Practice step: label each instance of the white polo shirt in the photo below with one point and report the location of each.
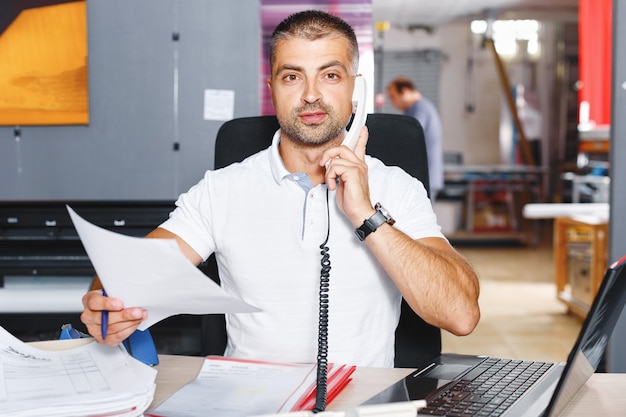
(266, 226)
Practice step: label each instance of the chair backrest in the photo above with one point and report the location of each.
(396, 140)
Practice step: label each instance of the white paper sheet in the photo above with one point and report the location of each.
(88, 380)
(229, 387)
(152, 274)
(219, 104)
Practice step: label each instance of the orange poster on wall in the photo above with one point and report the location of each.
(43, 64)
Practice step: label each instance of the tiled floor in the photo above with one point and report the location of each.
(520, 314)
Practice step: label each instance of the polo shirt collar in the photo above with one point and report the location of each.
(279, 171)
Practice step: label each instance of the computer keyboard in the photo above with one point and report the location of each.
(489, 389)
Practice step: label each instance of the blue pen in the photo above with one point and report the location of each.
(105, 319)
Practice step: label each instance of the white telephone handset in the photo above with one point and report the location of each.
(360, 92)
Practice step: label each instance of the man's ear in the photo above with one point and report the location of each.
(268, 82)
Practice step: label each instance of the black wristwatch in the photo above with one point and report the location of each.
(370, 225)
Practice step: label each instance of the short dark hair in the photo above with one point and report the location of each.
(313, 25)
(402, 83)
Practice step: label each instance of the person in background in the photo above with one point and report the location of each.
(266, 217)
(406, 97)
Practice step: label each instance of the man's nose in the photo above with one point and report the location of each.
(312, 92)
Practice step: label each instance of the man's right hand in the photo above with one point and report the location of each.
(122, 321)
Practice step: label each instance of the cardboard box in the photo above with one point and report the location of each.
(492, 218)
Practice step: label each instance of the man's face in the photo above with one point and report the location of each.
(311, 86)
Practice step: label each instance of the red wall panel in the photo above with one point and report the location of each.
(595, 58)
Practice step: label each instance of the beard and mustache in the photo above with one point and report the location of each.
(316, 133)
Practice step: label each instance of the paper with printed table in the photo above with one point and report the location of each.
(89, 380)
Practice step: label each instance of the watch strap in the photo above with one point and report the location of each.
(370, 225)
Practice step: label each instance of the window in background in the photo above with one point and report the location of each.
(510, 36)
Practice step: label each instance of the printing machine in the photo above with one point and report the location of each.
(44, 269)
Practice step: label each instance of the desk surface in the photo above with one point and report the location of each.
(603, 395)
(600, 211)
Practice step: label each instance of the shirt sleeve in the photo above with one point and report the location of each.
(412, 208)
(191, 219)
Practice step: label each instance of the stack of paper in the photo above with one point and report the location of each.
(89, 380)
(229, 387)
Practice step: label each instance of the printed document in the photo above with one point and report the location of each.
(152, 274)
(229, 387)
(89, 380)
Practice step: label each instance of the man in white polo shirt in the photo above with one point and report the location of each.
(266, 217)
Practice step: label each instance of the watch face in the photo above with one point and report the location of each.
(385, 213)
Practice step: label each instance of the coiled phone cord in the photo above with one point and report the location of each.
(322, 338)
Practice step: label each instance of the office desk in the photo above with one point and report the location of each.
(603, 395)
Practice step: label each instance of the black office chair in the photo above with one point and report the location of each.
(396, 140)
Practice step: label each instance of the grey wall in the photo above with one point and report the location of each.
(127, 150)
(616, 361)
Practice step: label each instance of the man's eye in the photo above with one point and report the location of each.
(290, 77)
